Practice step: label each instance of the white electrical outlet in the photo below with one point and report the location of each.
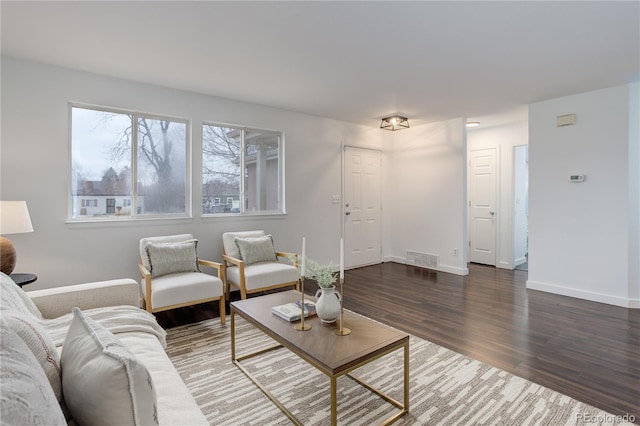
(455, 252)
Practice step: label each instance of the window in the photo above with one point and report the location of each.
(130, 164)
(244, 166)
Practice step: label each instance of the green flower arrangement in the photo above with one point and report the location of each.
(323, 275)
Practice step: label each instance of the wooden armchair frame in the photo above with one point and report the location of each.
(146, 275)
(242, 284)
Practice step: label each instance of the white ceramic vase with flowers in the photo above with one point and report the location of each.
(329, 301)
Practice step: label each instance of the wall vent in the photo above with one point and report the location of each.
(422, 260)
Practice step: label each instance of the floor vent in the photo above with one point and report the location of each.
(422, 260)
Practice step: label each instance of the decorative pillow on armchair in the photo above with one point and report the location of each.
(257, 249)
(102, 381)
(170, 258)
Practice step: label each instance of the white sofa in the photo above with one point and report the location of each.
(31, 325)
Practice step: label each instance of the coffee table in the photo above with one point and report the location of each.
(333, 355)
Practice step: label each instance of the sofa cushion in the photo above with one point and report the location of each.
(171, 258)
(34, 335)
(256, 249)
(229, 243)
(26, 397)
(12, 298)
(102, 381)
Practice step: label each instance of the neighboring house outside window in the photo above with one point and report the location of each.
(102, 143)
(244, 167)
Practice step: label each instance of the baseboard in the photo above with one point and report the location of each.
(585, 295)
(504, 265)
(519, 261)
(454, 270)
(442, 268)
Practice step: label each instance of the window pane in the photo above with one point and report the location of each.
(220, 169)
(262, 171)
(162, 153)
(100, 157)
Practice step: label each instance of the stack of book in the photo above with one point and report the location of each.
(291, 311)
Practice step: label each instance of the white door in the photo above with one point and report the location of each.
(362, 233)
(482, 206)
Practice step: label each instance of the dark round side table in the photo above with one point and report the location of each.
(23, 279)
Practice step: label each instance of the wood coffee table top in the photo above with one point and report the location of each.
(332, 354)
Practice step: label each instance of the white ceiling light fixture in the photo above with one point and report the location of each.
(473, 124)
(394, 122)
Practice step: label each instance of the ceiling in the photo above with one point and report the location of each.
(352, 61)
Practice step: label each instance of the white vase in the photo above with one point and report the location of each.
(329, 304)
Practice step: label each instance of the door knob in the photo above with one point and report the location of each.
(492, 213)
(348, 213)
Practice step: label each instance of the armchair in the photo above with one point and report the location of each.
(251, 264)
(171, 276)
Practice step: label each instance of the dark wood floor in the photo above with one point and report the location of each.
(589, 351)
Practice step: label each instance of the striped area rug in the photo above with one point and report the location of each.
(446, 388)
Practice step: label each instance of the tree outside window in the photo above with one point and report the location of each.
(242, 166)
(153, 182)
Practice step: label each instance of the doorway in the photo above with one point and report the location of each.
(483, 205)
(521, 207)
(362, 206)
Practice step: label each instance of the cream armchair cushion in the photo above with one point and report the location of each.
(183, 287)
(265, 274)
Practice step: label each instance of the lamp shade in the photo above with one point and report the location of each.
(394, 122)
(14, 218)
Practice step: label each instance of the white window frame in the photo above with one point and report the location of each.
(281, 171)
(134, 216)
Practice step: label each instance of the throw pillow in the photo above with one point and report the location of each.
(41, 346)
(257, 249)
(26, 397)
(13, 298)
(170, 258)
(102, 381)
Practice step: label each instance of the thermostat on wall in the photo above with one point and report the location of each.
(576, 178)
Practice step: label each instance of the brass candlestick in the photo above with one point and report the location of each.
(342, 331)
(302, 326)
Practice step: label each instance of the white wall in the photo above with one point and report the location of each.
(35, 168)
(424, 194)
(580, 233)
(503, 130)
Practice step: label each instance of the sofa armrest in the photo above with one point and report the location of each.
(54, 302)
